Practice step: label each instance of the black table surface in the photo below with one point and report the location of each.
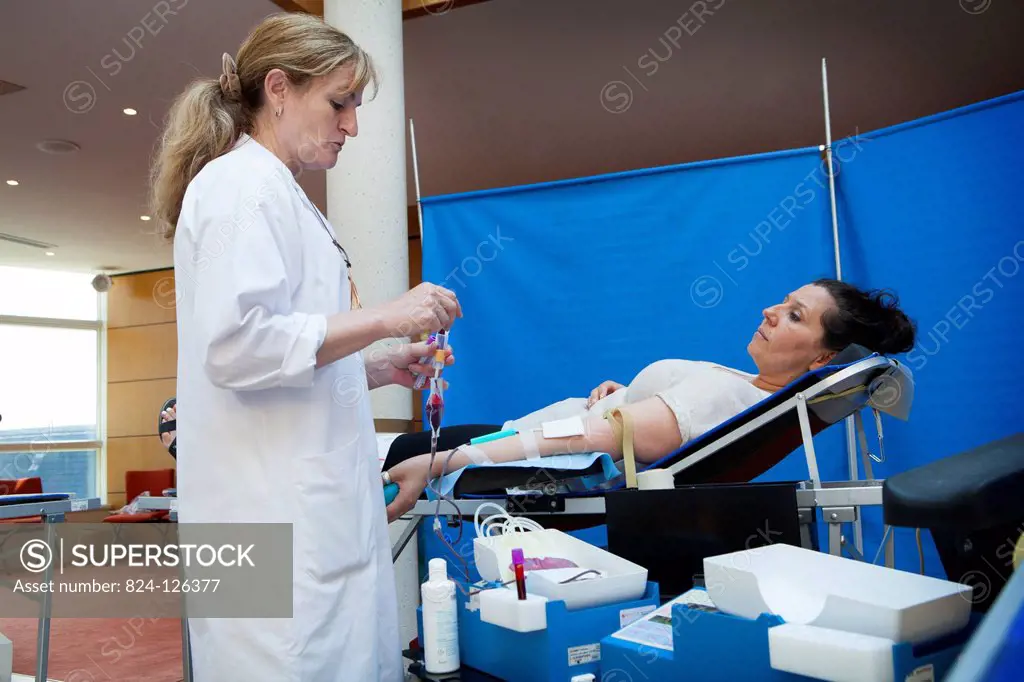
(416, 672)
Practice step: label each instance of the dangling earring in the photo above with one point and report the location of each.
(278, 112)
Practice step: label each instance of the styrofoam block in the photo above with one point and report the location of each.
(831, 655)
(6, 659)
(502, 607)
(813, 588)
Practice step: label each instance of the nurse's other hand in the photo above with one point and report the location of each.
(168, 436)
(605, 389)
(411, 477)
(425, 308)
(405, 362)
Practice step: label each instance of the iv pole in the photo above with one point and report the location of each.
(851, 436)
(416, 177)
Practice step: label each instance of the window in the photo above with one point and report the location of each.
(50, 382)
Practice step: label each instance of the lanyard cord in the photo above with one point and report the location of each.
(354, 295)
(323, 224)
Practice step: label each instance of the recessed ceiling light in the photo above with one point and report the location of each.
(143, 217)
(50, 253)
(58, 146)
(12, 183)
(130, 112)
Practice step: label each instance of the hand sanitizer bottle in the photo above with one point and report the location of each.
(440, 621)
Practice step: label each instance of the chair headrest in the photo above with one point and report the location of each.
(888, 385)
(893, 392)
(851, 353)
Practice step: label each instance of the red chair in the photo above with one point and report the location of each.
(138, 482)
(21, 486)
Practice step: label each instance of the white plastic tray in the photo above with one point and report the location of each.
(623, 580)
(813, 588)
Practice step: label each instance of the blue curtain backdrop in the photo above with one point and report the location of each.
(566, 284)
(930, 209)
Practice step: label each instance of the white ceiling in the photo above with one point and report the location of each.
(505, 92)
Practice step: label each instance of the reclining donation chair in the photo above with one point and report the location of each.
(736, 451)
(749, 444)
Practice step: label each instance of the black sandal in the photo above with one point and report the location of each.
(168, 426)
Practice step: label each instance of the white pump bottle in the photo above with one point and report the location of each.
(440, 621)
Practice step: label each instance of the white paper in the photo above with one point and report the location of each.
(627, 616)
(587, 653)
(384, 441)
(655, 629)
(79, 505)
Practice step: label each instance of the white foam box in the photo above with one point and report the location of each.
(621, 580)
(503, 607)
(807, 587)
(831, 655)
(6, 659)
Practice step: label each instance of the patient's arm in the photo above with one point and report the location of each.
(655, 434)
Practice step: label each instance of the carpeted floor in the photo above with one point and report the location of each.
(101, 649)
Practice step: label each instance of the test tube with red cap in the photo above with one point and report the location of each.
(518, 564)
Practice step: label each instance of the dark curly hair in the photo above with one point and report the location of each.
(871, 319)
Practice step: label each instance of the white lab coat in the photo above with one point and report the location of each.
(263, 436)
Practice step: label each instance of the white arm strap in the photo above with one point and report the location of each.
(622, 425)
(529, 441)
(475, 454)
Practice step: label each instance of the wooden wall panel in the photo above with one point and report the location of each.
(143, 453)
(133, 406)
(143, 298)
(142, 353)
(142, 365)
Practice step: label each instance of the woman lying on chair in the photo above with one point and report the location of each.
(674, 401)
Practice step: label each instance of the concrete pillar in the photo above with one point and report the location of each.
(366, 190)
(366, 202)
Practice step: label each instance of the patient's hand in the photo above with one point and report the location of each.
(411, 477)
(605, 389)
(168, 415)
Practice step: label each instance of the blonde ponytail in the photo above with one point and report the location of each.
(201, 126)
(206, 120)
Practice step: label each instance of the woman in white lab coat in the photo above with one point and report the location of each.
(274, 417)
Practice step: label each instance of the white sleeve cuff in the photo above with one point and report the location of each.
(300, 363)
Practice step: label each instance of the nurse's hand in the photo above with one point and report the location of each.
(425, 308)
(401, 364)
(411, 476)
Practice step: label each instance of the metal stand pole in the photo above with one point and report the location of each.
(46, 608)
(808, 438)
(403, 539)
(851, 441)
(186, 651)
(416, 176)
(831, 176)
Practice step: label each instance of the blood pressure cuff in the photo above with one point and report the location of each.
(559, 473)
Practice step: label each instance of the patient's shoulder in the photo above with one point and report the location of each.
(673, 370)
(663, 374)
